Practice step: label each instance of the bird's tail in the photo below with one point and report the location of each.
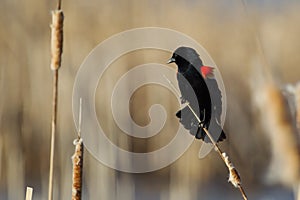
(190, 122)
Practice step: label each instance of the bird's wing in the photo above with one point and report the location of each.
(184, 86)
(216, 97)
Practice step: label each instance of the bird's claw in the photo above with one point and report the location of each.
(201, 124)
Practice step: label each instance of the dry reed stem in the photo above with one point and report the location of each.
(29, 192)
(53, 130)
(56, 51)
(234, 177)
(266, 65)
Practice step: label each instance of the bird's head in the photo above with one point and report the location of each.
(183, 56)
(186, 56)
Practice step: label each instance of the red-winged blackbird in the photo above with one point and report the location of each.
(199, 88)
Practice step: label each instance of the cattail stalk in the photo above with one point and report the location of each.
(234, 177)
(53, 130)
(56, 52)
(266, 64)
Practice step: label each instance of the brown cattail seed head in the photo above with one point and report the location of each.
(234, 177)
(56, 38)
(77, 159)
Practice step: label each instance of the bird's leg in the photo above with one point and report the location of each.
(202, 120)
(200, 134)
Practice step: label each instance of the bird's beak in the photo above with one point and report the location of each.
(171, 60)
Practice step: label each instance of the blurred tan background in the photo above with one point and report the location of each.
(255, 106)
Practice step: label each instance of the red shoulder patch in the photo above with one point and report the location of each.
(207, 71)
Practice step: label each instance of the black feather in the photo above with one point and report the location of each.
(203, 95)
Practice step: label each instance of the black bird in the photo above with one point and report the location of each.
(199, 88)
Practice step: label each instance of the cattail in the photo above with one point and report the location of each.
(56, 38)
(293, 96)
(278, 125)
(56, 52)
(77, 160)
